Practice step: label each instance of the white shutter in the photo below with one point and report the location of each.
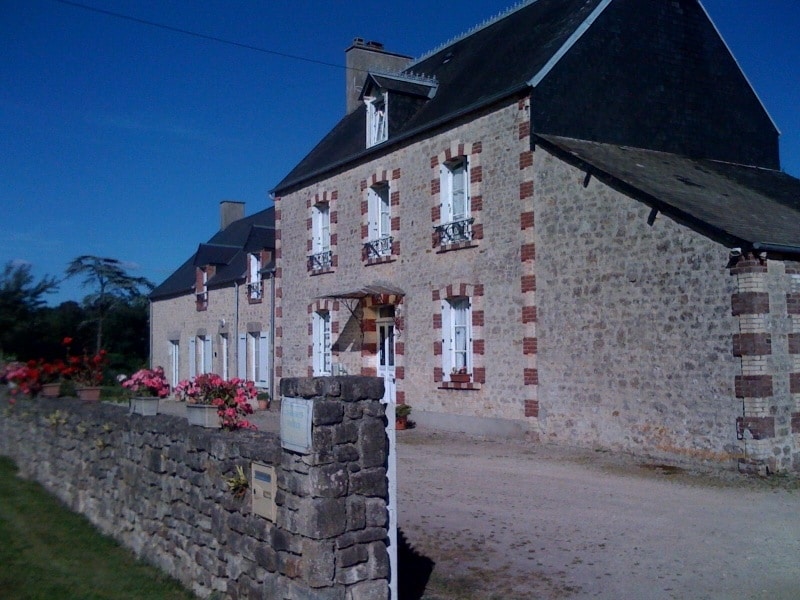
(458, 175)
(241, 362)
(192, 357)
(444, 194)
(263, 345)
(447, 340)
(384, 208)
(374, 214)
(208, 355)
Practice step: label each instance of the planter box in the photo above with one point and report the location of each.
(460, 377)
(89, 393)
(203, 415)
(50, 390)
(146, 406)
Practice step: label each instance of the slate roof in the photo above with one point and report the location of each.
(227, 250)
(646, 94)
(474, 71)
(740, 206)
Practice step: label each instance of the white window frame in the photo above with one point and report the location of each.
(192, 357)
(321, 227)
(379, 212)
(321, 353)
(452, 173)
(241, 356)
(223, 340)
(175, 362)
(205, 355)
(377, 118)
(456, 335)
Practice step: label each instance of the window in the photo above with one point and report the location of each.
(377, 119)
(204, 355)
(174, 362)
(254, 286)
(456, 225)
(321, 343)
(380, 222)
(457, 332)
(320, 258)
(223, 340)
(257, 355)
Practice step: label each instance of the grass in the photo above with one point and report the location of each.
(48, 552)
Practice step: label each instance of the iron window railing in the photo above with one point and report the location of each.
(320, 261)
(455, 231)
(378, 248)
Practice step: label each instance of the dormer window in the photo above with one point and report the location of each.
(377, 118)
(254, 287)
(201, 288)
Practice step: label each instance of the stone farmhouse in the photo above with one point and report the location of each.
(569, 223)
(214, 313)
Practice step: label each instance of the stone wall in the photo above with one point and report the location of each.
(635, 324)
(158, 486)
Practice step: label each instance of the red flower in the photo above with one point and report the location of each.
(67, 341)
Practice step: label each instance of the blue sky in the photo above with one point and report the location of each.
(118, 139)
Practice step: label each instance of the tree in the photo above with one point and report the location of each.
(21, 298)
(112, 285)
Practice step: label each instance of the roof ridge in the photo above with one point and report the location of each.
(409, 76)
(484, 24)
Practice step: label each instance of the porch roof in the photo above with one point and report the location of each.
(376, 289)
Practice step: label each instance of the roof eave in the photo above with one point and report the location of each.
(391, 143)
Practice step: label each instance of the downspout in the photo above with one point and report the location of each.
(151, 333)
(272, 335)
(235, 340)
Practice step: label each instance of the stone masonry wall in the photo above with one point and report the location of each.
(634, 324)
(490, 268)
(178, 319)
(158, 486)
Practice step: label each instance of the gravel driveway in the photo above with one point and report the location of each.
(510, 520)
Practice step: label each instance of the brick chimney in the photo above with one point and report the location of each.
(367, 56)
(230, 211)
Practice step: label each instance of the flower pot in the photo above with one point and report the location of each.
(203, 415)
(145, 405)
(50, 390)
(263, 404)
(401, 422)
(89, 393)
(460, 377)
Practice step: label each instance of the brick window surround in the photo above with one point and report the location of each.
(475, 293)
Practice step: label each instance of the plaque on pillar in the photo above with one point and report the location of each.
(296, 424)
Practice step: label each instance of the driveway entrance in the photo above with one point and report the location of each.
(515, 521)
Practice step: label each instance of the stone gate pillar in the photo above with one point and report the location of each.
(332, 501)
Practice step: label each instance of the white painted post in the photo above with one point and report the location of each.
(391, 475)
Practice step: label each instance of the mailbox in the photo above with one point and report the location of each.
(264, 486)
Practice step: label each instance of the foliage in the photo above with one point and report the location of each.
(47, 551)
(87, 370)
(238, 484)
(232, 397)
(21, 298)
(111, 283)
(147, 382)
(23, 378)
(402, 410)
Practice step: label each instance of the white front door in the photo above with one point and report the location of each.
(385, 356)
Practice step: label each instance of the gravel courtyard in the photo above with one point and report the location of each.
(506, 520)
